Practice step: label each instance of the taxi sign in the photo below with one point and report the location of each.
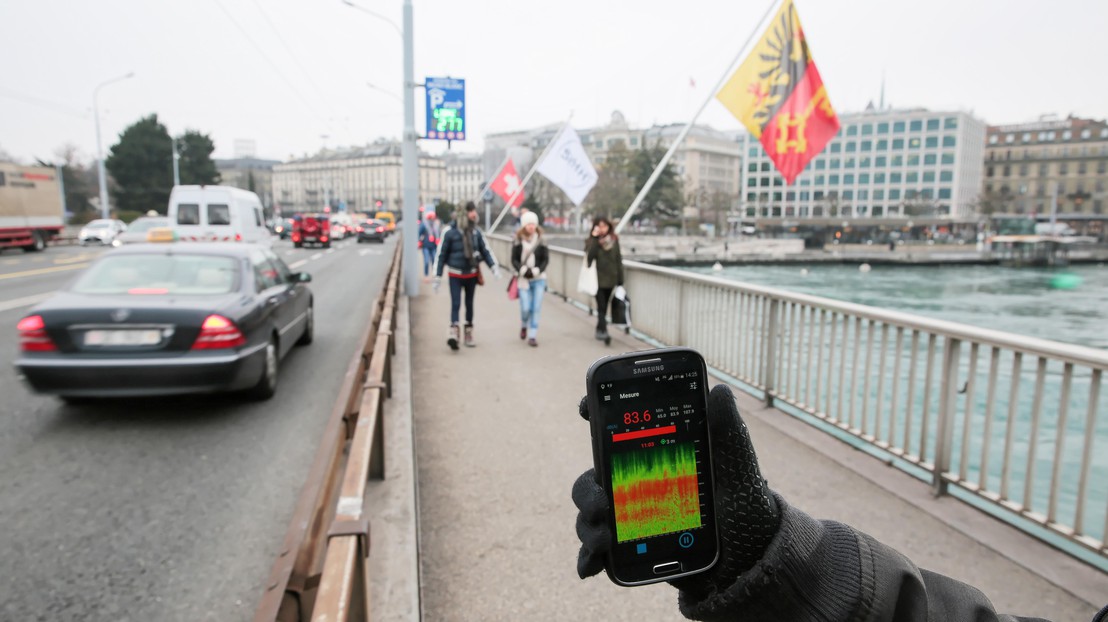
(161, 235)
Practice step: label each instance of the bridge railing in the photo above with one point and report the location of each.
(1012, 423)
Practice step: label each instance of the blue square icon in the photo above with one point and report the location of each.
(640, 548)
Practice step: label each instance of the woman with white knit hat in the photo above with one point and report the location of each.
(530, 258)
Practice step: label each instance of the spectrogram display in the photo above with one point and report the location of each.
(655, 491)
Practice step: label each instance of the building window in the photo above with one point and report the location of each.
(867, 145)
(867, 129)
(992, 139)
(817, 195)
(1066, 135)
(833, 180)
(851, 147)
(834, 163)
(821, 164)
(916, 126)
(1063, 168)
(930, 158)
(913, 143)
(863, 194)
(863, 162)
(895, 178)
(764, 182)
(883, 145)
(852, 130)
(883, 128)
(1007, 170)
(879, 194)
(928, 177)
(1043, 170)
(777, 196)
(898, 143)
(1023, 170)
(894, 194)
(932, 124)
(931, 142)
(912, 177)
(751, 182)
(752, 168)
(898, 127)
(848, 195)
(950, 123)
(765, 167)
(1086, 133)
(913, 159)
(898, 160)
(836, 147)
(949, 141)
(848, 179)
(863, 178)
(1010, 138)
(878, 178)
(946, 175)
(1101, 167)
(820, 179)
(1080, 168)
(849, 163)
(1027, 137)
(881, 161)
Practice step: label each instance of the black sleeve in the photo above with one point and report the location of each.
(619, 262)
(517, 256)
(824, 570)
(542, 257)
(592, 248)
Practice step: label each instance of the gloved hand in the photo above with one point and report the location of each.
(527, 273)
(435, 285)
(747, 514)
(496, 272)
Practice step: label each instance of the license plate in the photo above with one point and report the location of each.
(122, 337)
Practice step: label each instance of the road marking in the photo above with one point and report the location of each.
(330, 250)
(16, 275)
(297, 264)
(316, 256)
(74, 259)
(26, 301)
(289, 252)
(10, 262)
(368, 251)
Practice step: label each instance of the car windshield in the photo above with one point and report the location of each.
(142, 225)
(99, 224)
(186, 275)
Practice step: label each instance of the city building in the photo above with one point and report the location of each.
(249, 173)
(882, 164)
(465, 177)
(359, 179)
(1028, 163)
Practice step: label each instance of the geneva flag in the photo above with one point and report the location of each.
(778, 95)
(507, 184)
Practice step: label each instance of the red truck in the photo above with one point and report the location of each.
(30, 206)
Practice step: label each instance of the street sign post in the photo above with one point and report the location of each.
(446, 114)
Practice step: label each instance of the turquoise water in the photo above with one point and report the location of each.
(1069, 305)
(1031, 302)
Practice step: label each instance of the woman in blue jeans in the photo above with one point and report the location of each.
(530, 258)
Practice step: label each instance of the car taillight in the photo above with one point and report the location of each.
(360, 229)
(218, 332)
(32, 335)
(296, 237)
(238, 237)
(322, 238)
(380, 229)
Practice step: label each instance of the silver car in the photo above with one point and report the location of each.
(101, 231)
(139, 227)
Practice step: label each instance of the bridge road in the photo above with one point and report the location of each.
(163, 509)
(499, 444)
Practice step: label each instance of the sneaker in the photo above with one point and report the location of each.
(532, 342)
(602, 334)
(469, 337)
(452, 341)
(523, 333)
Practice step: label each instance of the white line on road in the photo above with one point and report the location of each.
(289, 252)
(296, 264)
(330, 250)
(26, 301)
(369, 251)
(316, 256)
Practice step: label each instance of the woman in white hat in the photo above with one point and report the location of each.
(530, 258)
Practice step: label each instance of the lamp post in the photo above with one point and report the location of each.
(104, 211)
(408, 153)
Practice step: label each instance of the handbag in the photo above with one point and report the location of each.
(480, 276)
(621, 307)
(587, 282)
(513, 288)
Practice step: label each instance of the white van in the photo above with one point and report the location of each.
(217, 214)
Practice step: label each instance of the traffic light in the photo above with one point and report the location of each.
(379, 203)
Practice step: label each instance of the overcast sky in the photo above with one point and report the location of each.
(286, 73)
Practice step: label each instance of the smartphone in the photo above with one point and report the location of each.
(648, 413)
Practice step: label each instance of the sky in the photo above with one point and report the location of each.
(294, 75)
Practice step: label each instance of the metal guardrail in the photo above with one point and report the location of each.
(1013, 421)
(321, 571)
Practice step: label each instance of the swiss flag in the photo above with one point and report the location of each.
(507, 183)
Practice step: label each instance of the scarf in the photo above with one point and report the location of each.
(607, 242)
(465, 227)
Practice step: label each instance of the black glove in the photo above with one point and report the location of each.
(746, 512)
(527, 273)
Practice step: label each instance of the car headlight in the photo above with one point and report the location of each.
(117, 243)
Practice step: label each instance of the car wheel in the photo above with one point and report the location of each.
(296, 244)
(309, 328)
(267, 384)
(38, 243)
(327, 245)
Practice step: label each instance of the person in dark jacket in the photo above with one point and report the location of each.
(428, 241)
(602, 248)
(530, 257)
(776, 563)
(460, 253)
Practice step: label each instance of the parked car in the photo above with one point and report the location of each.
(156, 319)
(139, 229)
(311, 229)
(217, 214)
(101, 231)
(372, 230)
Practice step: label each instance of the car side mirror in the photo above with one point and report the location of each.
(303, 277)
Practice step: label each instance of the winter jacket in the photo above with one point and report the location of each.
(609, 263)
(825, 570)
(452, 255)
(428, 235)
(538, 260)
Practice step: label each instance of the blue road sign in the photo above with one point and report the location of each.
(446, 113)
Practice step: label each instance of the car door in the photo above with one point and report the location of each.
(275, 296)
(298, 297)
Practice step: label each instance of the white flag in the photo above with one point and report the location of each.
(567, 166)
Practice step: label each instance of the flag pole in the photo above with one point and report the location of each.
(685, 130)
(531, 172)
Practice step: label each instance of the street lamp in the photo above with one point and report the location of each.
(104, 211)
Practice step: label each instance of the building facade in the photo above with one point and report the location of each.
(881, 164)
(1027, 164)
(465, 177)
(362, 179)
(249, 173)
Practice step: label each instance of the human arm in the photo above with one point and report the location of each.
(619, 262)
(517, 256)
(443, 252)
(592, 249)
(777, 563)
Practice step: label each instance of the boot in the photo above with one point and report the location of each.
(469, 336)
(452, 341)
(602, 333)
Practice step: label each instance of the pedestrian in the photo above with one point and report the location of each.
(602, 247)
(461, 250)
(428, 242)
(530, 257)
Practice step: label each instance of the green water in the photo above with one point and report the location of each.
(1069, 305)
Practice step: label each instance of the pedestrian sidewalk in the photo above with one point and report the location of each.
(499, 443)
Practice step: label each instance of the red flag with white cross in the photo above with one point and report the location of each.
(507, 184)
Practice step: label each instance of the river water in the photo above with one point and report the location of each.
(1069, 305)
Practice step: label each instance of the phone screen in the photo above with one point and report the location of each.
(655, 448)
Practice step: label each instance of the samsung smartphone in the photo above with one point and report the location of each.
(648, 412)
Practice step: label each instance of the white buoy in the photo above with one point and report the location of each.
(803, 272)
(864, 268)
(717, 266)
